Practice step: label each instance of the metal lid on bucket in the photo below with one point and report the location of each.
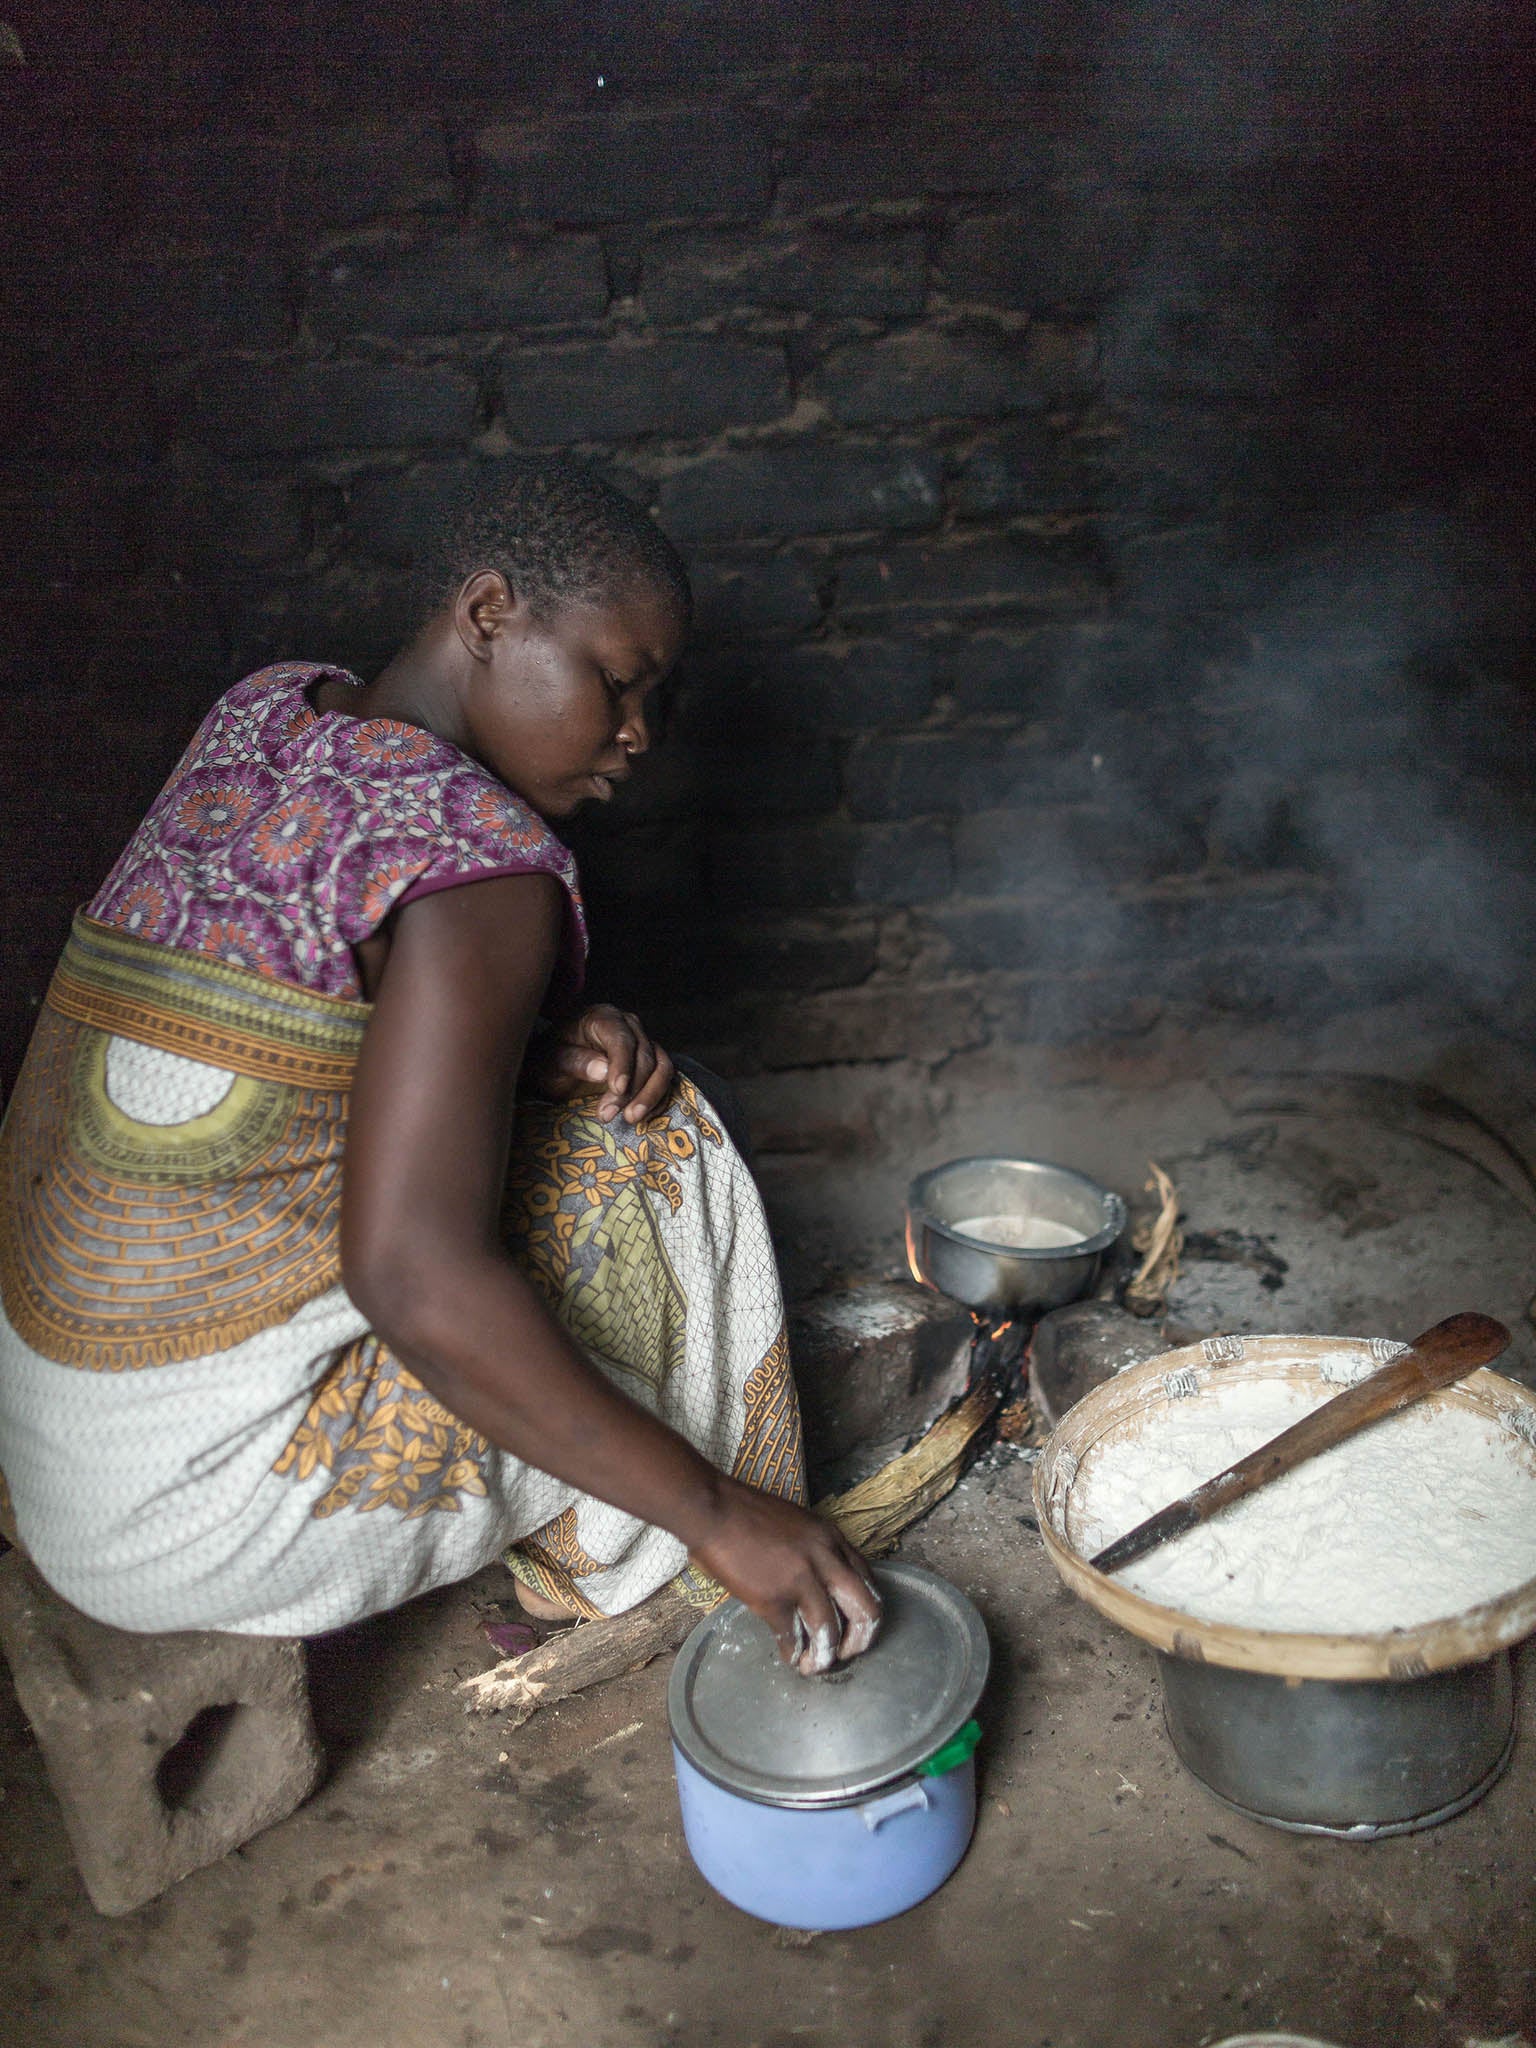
(755, 1726)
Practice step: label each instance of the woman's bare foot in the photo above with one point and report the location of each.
(536, 1605)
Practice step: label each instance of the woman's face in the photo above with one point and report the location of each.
(557, 706)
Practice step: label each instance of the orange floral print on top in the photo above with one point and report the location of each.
(286, 836)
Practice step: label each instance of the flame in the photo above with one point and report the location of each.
(987, 1329)
(912, 1266)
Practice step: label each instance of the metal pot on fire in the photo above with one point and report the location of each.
(1010, 1236)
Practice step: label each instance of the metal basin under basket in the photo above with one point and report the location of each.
(1006, 1280)
(1357, 1758)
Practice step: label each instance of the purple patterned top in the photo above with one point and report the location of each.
(286, 835)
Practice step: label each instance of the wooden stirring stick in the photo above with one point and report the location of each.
(1440, 1357)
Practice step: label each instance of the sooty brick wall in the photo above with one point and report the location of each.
(1095, 436)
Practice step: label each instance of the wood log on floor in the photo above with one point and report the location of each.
(582, 1656)
(872, 1515)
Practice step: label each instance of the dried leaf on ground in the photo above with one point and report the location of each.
(1160, 1242)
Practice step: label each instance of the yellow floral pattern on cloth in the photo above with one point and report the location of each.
(577, 1218)
(553, 1557)
(590, 1212)
(771, 1452)
(387, 1441)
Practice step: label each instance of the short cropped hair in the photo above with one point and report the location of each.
(559, 534)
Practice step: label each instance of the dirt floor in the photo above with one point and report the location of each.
(454, 1885)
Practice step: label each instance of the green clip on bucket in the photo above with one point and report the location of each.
(959, 1749)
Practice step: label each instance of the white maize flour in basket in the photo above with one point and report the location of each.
(1418, 1518)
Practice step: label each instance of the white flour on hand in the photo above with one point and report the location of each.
(1418, 1518)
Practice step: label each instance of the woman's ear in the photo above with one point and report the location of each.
(483, 609)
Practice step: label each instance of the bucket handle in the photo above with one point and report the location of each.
(874, 1811)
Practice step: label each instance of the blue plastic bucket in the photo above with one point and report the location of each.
(832, 1866)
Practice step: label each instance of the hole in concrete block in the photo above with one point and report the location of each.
(189, 1766)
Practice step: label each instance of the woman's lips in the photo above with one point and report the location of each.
(604, 785)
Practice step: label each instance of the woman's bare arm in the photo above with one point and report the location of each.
(430, 1126)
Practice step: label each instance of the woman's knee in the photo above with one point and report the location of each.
(722, 1099)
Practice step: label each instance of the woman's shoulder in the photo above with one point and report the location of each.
(388, 776)
(259, 719)
(271, 707)
(405, 779)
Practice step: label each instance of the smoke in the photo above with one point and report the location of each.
(1324, 477)
(1368, 738)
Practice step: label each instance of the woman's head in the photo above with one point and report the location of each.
(559, 535)
(571, 605)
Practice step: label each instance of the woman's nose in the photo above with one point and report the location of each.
(634, 734)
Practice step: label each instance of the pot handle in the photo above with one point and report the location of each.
(874, 1811)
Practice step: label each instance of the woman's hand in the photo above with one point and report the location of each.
(795, 1572)
(604, 1052)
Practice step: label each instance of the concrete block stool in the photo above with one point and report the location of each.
(164, 1752)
